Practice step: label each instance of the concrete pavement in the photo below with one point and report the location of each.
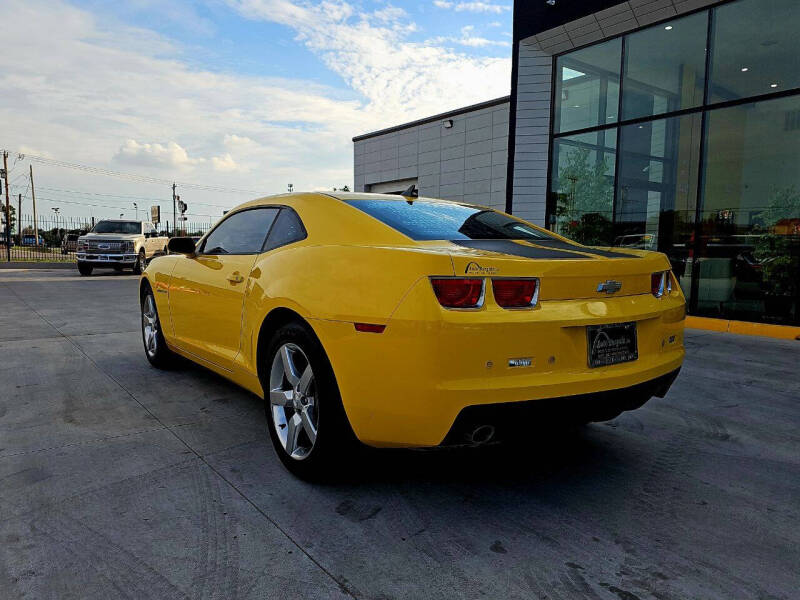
(118, 480)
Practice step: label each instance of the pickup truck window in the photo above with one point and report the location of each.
(118, 227)
(241, 233)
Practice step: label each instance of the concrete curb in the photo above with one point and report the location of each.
(37, 265)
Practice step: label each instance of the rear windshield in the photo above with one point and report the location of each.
(431, 220)
(118, 227)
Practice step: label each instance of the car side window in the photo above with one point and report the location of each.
(288, 228)
(241, 233)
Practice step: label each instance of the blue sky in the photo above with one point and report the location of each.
(249, 94)
(215, 36)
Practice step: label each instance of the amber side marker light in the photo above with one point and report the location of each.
(369, 327)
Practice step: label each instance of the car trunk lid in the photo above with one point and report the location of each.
(566, 271)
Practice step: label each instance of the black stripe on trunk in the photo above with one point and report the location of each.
(555, 250)
(514, 249)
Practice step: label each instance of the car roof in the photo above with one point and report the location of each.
(351, 196)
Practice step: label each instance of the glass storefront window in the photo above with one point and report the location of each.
(665, 67)
(723, 203)
(587, 87)
(755, 49)
(583, 186)
(748, 264)
(657, 187)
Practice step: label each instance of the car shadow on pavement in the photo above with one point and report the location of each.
(542, 457)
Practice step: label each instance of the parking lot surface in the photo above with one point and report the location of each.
(118, 480)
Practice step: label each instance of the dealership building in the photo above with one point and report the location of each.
(671, 125)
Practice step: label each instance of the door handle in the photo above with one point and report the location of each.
(235, 277)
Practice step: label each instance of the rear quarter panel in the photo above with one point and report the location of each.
(333, 283)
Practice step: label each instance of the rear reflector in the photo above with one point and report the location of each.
(515, 293)
(458, 292)
(370, 327)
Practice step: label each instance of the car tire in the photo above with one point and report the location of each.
(140, 264)
(84, 269)
(305, 417)
(155, 346)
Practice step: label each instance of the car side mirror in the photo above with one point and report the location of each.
(181, 245)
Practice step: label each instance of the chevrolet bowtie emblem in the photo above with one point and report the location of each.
(609, 287)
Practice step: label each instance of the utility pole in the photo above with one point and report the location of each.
(19, 218)
(35, 222)
(174, 212)
(8, 208)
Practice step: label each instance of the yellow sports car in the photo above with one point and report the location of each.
(400, 321)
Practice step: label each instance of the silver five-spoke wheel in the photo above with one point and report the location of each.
(150, 325)
(292, 397)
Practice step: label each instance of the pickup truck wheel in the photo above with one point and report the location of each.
(140, 264)
(84, 269)
(155, 347)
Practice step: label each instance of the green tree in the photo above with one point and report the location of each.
(784, 204)
(584, 205)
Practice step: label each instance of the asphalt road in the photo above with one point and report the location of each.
(117, 480)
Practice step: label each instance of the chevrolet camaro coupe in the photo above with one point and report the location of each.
(411, 322)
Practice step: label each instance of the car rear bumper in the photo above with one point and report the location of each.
(513, 420)
(407, 385)
(98, 260)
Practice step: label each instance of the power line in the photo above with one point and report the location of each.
(18, 177)
(123, 203)
(62, 201)
(133, 176)
(149, 198)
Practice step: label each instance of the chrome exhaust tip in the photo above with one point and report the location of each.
(482, 434)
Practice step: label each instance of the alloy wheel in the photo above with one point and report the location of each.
(293, 401)
(150, 325)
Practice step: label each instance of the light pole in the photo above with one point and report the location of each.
(55, 209)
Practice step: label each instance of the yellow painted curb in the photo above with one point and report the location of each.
(781, 332)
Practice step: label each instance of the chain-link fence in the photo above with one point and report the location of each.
(57, 238)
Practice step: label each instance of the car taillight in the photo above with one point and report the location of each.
(515, 293)
(455, 292)
(661, 283)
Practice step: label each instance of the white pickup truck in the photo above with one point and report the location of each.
(118, 244)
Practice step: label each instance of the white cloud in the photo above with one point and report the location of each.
(155, 155)
(104, 94)
(474, 7)
(225, 163)
(469, 39)
(400, 79)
